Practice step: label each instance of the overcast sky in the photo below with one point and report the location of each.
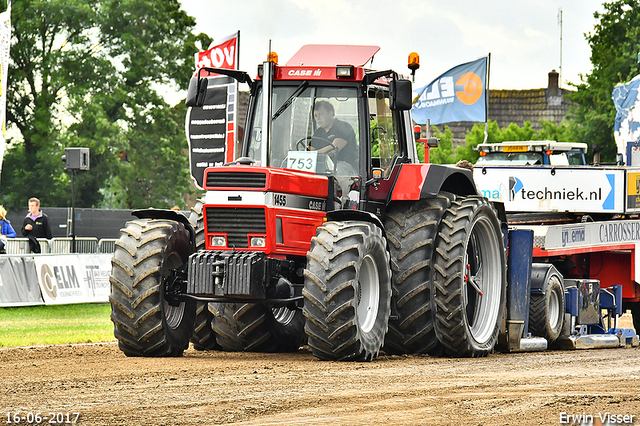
(523, 37)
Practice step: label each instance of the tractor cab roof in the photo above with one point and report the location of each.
(328, 62)
(330, 55)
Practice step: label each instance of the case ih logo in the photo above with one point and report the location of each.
(305, 73)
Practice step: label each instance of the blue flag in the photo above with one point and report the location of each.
(457, 95)
(625, 98)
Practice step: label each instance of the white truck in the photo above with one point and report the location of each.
(584, 218)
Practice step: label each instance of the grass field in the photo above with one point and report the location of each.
(56, 324)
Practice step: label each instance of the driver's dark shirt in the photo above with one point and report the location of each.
(340, 130)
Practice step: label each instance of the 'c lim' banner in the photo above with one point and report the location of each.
(211, 129)
(456, 95)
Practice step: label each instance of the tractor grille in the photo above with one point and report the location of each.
(236, 180)
(236, 222)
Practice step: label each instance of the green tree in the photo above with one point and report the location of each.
(90, 73)
(444, 152)
(615, 44)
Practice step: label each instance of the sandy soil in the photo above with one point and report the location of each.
(107, 388)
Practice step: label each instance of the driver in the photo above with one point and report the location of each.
(333, 136)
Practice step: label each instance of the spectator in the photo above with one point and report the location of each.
(6, 230)
(36, 225)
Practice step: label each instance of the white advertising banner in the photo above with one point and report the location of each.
(66, 279)
(5, 44)
(553, 189)
(592, 234)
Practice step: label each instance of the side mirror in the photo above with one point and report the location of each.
(400, 95)
(433, 142)
(197, 92)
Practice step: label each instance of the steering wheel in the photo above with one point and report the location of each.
(304, 143)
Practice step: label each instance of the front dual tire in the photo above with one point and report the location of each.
(347, 291)
(146, 258)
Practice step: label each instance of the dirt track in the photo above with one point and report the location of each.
(107, 388)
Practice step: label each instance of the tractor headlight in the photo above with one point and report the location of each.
(258, 242)
(219, 241)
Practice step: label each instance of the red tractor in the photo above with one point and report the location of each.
(327, 230)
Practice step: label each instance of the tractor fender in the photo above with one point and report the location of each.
(359, 215)
(168, 215)
(420, 181)
(540, 274)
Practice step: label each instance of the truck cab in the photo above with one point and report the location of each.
(520, 153)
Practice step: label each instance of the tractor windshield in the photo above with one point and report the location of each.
(314, 129)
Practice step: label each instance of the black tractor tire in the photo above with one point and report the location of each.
(250, 327)
(347, 291)
(546, 311)
(411, 229)
(469, 254)
(196, 218)
(634, 307)
(287, 328)
(203, 338)
(635, 315)
(146, 255)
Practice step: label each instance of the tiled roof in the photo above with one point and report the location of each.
(518, 106)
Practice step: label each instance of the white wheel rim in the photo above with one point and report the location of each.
(283, 315)
(488, 278)
(554, 308)
(368, 294)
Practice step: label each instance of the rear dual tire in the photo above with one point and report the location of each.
(469, 278)
(411, 229)
(250, 327)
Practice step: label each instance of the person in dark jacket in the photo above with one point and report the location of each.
(334, 136)
(36, 225)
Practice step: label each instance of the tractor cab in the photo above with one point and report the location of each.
(326, 114)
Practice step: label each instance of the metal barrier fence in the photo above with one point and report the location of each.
(107, 245)
(87, 245)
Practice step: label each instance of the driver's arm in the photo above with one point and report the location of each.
(337, 145)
